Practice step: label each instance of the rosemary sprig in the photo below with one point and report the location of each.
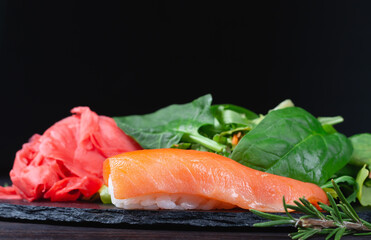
(339, 220)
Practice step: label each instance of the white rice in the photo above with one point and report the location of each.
(174, 201)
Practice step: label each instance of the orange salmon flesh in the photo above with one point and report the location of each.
(175, 171)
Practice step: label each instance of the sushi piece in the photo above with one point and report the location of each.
(190, 179)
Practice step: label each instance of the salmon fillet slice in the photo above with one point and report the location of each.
(207, 175)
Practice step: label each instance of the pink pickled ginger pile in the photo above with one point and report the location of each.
(65, 163)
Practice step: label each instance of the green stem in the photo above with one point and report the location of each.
(204, 141)
(240, 129)
(330, 120)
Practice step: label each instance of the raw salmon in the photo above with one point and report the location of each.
(168, 178)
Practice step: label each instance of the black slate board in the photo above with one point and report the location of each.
(92, 213)
(99, 214)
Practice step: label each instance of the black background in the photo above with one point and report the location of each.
(123, 58)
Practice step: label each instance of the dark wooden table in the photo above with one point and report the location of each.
(17, 230)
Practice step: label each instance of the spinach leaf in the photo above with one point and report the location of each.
(364, 193)
(232, 114)
(291, 142)
(361, 149)
(171, 124)
(362, 157)
(229, 121)
(348, 185)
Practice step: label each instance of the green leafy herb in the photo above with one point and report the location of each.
(291, 142)
(341, 219)
(232, 114)
(348, 183)
(288, 141)
(230, 124)
(361, 149)
(364, 193)
(361, 158)
(171, 125)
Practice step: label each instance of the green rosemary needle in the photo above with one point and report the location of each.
(339, 219)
